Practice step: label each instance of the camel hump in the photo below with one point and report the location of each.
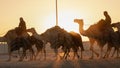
(101, 24)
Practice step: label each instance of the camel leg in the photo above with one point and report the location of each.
(56, 53)
(33, 54)
(74, 55)
(93, 52)
(44, 51)
(109, 52)
(44, 54)
(64, 55)
(113, 52)
(19, 52)
(117, 53)
(37, 54)
(9, 59)
(68, 51)
(101, 52)
(81, 54)
(23, 55)
(92, 49)
(78, 55)
(106, 52)
(74, 51)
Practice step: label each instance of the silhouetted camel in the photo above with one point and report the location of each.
(116, 25)
(40, 44)
(10, 36)
(26, 44)
(77, 43)
(48, 36)
(94, 33)
(60, 38)
(114, 42)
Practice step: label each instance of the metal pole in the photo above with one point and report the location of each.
(56, 14)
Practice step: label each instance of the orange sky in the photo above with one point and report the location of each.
(41, 13)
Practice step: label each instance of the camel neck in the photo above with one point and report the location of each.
(81, 30)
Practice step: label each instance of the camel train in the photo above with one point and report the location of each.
(102, 32)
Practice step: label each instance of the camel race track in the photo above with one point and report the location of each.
(52, 62)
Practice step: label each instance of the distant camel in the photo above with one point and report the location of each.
(40, 46)
(60, 38)
(26, 44)
(45, 38)
(114, 41)
(94, 34)
(117, 25)
(77, 43)
(10, 36)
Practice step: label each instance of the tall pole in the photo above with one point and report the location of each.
(56, 14)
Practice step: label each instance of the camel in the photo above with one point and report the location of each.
(48, 37)
(60, 38)
(26, 44)
(94, 33)
(10, 36)
(116, 25)
(40, 44)
(78, 43)
(114, 41)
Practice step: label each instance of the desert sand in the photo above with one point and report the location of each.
(52, 62)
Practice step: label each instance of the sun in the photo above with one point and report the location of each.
(65, 20)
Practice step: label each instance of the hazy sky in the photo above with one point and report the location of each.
(41, 13)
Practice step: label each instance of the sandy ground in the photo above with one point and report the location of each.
(106, 63)
(51, 62)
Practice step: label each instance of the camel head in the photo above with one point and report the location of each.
(79, 21)
(32, 30)
(116, 25)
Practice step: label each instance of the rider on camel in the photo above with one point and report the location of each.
(21, 28)
(107, 18)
